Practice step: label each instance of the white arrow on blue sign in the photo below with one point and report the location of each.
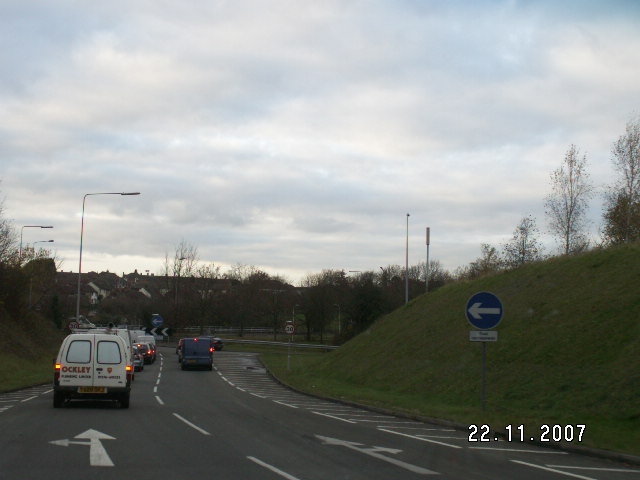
(157, 320)
(484, 310)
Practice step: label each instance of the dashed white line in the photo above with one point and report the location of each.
(273, 469)
(333, 416)
(548, 469)
(192, 425)
(159, 400)
(419, 438)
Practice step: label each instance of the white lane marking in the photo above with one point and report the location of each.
(542, 467)
(192, 425)
(159, 400)
(377, 452)
(273, 469)
(98, 456)
(419, 438)
(285, 404)
(334, 417)
(596, 469)
(27, 399)
(543, 452)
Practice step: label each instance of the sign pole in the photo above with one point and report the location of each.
(290, 329)
(484, 376)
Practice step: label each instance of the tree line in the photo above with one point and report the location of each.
(334, 305)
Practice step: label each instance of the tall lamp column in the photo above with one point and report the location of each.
(81, 235)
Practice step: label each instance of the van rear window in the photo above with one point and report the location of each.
(79, 352)
(109, 352)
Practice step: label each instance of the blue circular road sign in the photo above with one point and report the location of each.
(157, 320)
(484, 310)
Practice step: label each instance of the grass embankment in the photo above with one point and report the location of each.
(27, 352)
(568, 353)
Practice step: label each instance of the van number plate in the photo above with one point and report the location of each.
(92, 390)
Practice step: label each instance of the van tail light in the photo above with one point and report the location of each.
(129, 368)
(211, 349)
(56, 373)
(129, 374)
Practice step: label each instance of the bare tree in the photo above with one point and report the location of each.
(566, 206)
(622, 209)
(524, 246)
(8, 238)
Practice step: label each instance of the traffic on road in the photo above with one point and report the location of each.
(237, 422)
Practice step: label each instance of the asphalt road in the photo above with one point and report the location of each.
(237, 423)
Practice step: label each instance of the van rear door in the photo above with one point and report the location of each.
(112, 364)
(76, 363)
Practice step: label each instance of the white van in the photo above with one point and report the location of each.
(93, 366)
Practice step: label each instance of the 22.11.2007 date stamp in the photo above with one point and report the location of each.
(513, 433)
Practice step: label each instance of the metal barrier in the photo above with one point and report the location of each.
(281, 344)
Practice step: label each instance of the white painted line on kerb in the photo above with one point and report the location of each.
(273, 469)
(419, 438)
(159, 400)
(195, 427)
(542, 467)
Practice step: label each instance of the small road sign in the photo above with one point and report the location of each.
(289, 329)
(483, 335)
(484, 310)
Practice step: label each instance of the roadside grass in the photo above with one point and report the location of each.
(567, 353)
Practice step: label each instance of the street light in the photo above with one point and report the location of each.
(22, 230)
(406, 270)
(81, 235)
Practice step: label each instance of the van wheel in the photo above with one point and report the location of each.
(124, 400)
(58, 399)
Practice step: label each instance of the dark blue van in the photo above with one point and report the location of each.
(196, 353)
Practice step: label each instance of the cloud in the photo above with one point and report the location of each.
(297, 136)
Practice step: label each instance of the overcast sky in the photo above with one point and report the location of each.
(296, 135)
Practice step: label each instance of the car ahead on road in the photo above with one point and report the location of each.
(196, 353)
(217, 343)
(93, 366)
(137, 358)
(148, 352)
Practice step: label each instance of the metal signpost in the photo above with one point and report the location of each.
(289, 329)
(484, 311)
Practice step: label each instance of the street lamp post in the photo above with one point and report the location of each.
(426, 265)
(22, 230)
(406, 268)
(81, 235)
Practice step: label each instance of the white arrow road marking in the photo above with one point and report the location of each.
(375, 452)
(98, 456)
(477, 312)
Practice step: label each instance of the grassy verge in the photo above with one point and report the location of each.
(307, 373)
